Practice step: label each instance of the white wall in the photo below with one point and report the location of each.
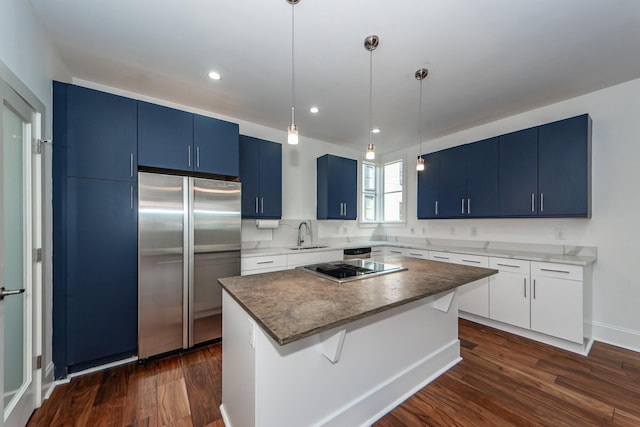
(29, 62)
(616, 204)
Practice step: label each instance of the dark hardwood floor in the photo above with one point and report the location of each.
(503, 380)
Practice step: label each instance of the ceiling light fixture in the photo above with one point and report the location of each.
(314, 110)
(292, 130)
(213, 75)
(370, 44)
(420, 75)
(375, 130)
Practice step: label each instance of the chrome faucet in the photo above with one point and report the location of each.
(300, 238)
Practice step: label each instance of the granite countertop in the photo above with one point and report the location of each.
(293, 304)
(582, 260)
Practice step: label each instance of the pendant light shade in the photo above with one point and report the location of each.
(420, 75)
(370, 44)
(292, 130)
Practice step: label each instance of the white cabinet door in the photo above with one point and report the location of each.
(556, 307)
(473, 297)
(509, 298)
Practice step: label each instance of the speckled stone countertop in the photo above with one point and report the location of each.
(293, 304)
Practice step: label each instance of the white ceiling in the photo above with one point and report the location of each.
(488, 59)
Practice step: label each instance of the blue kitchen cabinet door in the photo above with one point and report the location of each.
(165, 137)
(100, 135)
(482, 160)
(102, 257)
(261, 178)
(270, 180)
(564, 170)
(337, 187)
(519, 173)
(453, 183)
(429, 187)
(215, 146)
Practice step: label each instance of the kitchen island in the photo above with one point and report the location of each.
(302, 350)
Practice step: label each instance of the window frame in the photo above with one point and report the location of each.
(379, 192)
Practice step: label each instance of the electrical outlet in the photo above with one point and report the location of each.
(424, 230)
(559, 233)
(344, 229)
(474, 231)
(452, 231)
(413, 230)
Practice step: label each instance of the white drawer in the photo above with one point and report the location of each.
(417, 253)
(510, 264)
(262, 262)
(474, 260)
(378, 252)
(441, 256)
(560, 271)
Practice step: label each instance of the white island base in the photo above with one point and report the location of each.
(347, 376)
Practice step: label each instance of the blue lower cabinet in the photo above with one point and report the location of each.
(102, 281)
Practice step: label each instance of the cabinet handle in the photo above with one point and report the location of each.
(469, 206)
(189, 155)
(261, 204)
(541, 202)
(508, 265)
(436, 207)
(525, 287)
(534, 288)
(440, 257)
(197, 157)
(533, 202)
(551, 270)
(256, 204)
(131, 197)
(395, 252)
(265, 262)
(345, 209)
(462, 206)
(131, 165)
(471, 260)
(415, 254)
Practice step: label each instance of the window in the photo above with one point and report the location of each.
(383, 192)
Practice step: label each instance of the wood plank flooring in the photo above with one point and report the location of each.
(503, 380)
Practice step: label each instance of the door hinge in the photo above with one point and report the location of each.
(39, 362)
(37, 145)
(37, 255)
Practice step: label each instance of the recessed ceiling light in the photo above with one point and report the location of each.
(214, 75)
(314, 110)
(375, 130)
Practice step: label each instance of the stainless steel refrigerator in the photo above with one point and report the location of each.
(188, 237)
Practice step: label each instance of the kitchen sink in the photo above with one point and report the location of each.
(301, 248)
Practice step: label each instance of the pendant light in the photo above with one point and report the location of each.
(292, 130)
(370, 44)
(420, 75)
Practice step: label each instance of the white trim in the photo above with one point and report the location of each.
(225, 417)
(616, 335)
(103, 367)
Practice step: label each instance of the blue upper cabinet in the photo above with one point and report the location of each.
(177, 140)
(469, 180)
(429, 187)
(546, 170)
(337, 187)
(564, 169)
(519, 173)
(99, 134)
(261, 178)
(215, 146)
(165, 137)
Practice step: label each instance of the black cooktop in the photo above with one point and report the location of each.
(354, 269)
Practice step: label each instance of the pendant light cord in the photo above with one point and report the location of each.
(370, 93)
(419, 119)
(293, 74)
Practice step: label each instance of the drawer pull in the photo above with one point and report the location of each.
(471, 260)
(440, 257)
(525, 288)
(551, 270)
(534, 288)
(265, 262)
(395, 252)
(508, 265)
(415, 254)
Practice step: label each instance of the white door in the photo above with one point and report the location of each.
(17, 267)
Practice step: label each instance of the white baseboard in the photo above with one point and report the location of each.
(48, 382)
(225, 417)
(616, 335)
